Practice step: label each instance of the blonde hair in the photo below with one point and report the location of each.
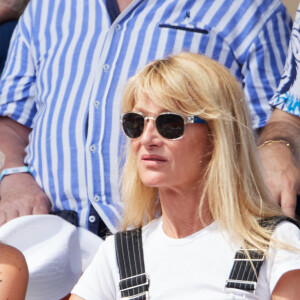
(237, 195)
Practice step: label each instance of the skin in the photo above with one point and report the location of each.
(282, 166)
(13, 274)
(123, 4)
(11, 9)
(158, 159)
(288, 287)
(2, 159)
(20, 194)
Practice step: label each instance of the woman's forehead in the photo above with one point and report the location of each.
(145, 103)
(156, 102)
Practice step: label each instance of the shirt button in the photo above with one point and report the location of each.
(96, 104)
(96, 198)
(93, 148)
(105, 67)
(92, 219)
(118, 27)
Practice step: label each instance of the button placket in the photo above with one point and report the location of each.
(92, 219)
(93, 148)
(106, 67)
(96, 198)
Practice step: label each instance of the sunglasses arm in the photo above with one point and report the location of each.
(195, 119)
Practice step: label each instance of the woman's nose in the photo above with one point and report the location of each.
(150, 136)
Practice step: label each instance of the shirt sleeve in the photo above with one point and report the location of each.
(287, 96)
(101, 278)
(264, 63)
(282, 260)
(17, 85)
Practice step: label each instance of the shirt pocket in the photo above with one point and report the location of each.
(178, 37)
(185, 28)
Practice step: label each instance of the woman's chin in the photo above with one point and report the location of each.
(153, 182)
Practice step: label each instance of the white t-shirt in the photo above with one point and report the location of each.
(194, 267)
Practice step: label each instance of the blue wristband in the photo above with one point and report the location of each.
(23, 169)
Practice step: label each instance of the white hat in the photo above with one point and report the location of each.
(56, 253)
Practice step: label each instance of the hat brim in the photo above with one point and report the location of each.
(56, 252)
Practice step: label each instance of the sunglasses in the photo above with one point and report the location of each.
(169, 125)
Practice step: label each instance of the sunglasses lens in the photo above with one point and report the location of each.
(170, 126)
(133, 125)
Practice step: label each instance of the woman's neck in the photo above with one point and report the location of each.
(180, 211)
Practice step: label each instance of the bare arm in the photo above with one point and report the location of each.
(288, 287)
(19, 193)
(282, 163)
(13, 273)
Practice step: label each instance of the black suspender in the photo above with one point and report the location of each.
(134, 283)
(242, 275)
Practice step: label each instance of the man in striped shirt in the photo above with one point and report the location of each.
(63, 82)
(282, 163)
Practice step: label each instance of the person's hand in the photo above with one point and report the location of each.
(20, 195)
(282, 175)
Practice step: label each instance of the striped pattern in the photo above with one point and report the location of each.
(73, 66)
(243, 276)
(245, 271)
(287, 96)
(134, 282)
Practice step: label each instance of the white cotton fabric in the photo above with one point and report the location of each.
(195, 267)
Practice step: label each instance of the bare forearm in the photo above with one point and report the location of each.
(13, 140)
(280, 154)
(19, 193)
(283, 126)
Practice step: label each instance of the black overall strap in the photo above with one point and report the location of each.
(134, 283)
(243, 276)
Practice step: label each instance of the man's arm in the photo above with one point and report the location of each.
(282, 162)
(19, 193)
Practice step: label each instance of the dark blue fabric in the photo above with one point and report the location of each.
(98, 226)
(68, 215)
(6, 30)
(113, 9)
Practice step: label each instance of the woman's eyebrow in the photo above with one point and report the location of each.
(145, 111)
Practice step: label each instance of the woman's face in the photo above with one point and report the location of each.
(174, 164)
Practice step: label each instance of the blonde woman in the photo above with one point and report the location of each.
(192, 181)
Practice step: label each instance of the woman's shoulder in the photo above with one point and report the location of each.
(287, 231)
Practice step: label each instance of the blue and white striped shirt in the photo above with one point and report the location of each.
(287, 96)
(68, 65)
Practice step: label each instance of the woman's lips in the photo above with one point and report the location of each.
(152, 159)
